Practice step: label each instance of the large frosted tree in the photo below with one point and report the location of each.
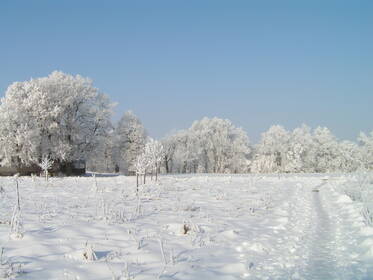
(101, 159)
(130, 139)
(298, 150)
(170, 144)
(179, 156)
(210, 145)
(350, 157)
(222, 147)
(272, 151)
(60, 116)
(324, 152)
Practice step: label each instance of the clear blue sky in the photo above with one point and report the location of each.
(256, 63)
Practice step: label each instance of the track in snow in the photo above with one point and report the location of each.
(322, 261)
(323, 250)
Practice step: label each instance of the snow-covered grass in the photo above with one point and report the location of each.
(184, 227)
(359, 187)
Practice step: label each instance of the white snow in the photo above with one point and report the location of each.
(184, 227)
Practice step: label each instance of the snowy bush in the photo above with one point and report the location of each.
(16, 228)
(359, 188)
(88, 253)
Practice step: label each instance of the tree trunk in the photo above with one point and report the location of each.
(156, 173)
(137, 183)
(18, 200)
(166, 166)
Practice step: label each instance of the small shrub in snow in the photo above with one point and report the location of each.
(88, 253)
(8, 270)
(186, 229)
(45, 165)
(16, 229)
(16, 221)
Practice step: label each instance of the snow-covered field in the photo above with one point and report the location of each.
(184, 227)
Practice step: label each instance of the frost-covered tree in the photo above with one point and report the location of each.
(366, 142)
(60, 116)
(262, 163)
(141, 165)
(304, 150)
(324, 152)
(220, 146)
(299, 145)
(169, 147)
(209, 145)
(272, 151)
(101, 159)
(154, 152)
(350, 157)
(178, 153)
(130, 138)
(45, 165)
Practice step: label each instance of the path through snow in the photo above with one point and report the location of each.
(328, 249)
(322, 246)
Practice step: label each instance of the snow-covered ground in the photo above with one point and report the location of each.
(184, 227)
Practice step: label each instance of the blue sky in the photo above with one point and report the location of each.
(256, 63)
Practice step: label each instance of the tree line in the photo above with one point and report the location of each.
(65, 118)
